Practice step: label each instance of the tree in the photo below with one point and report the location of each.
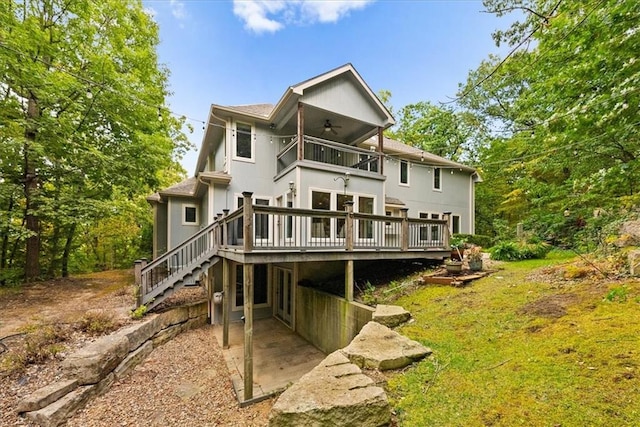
(563, 110)
(83, 119)
(439, 130)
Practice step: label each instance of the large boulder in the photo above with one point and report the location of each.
(334, 393)
(94, 362)
(378, 347)
(634, 262)
(390, 315)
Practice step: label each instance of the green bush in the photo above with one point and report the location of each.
(515, 251)
(475, 239)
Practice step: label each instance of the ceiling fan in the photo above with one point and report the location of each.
(328, 127)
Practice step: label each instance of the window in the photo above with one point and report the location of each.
(320, 226)
(262, 221)
(244, 141)
(455, 224)
(435, 229)
(404, 172)
(190, 215)
(437, 179)
(365, 227)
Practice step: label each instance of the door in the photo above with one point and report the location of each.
(284, 294)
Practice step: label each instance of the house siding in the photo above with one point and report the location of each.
(419, 196)
(342, 96)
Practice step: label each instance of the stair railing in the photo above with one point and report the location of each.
(170, 267)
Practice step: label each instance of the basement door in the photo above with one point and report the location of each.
(284, 294)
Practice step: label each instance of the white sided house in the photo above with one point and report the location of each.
(288, 196)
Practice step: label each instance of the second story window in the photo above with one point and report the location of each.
(244, 142)
(437, 179)
(404, 172)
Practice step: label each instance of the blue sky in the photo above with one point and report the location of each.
(250, 51)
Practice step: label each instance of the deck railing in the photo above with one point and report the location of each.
(328, 152)
(175, 263)
(259, 228)
(269, 228)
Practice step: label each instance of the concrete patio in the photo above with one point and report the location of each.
(280, 357)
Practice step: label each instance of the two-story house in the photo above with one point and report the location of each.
(287, 196)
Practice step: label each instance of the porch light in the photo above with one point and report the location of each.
(292, 188)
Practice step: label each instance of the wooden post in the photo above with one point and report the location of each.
(248, 331)
(447, 233)
(348, 225)
(247, 215)
(404, 245)
(300, 131)
(226, 300)
(225, 229)
(380, 151)
(348, 280)
(139, 280)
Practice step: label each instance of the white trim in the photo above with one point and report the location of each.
(183, 209)
(169, 224)
(252, 137)
(210, 207)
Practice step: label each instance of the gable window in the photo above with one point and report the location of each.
(190, 215)
(404, 172)
(244, 142)
(437, 179)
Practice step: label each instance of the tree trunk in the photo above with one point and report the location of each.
(32, 261)
(67, 251)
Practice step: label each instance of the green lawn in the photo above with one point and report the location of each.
(503, 353)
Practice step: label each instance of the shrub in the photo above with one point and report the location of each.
(139, 312)
(97, 322)
(476, 239)
(515, 251)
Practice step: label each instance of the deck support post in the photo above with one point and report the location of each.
(247, 219)
(404, 241)
(248, 331)
(226, 300)
(348, 280)
(380, 151)
(447, 233)
(300, 131)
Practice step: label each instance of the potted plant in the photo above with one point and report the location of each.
(474, 257)
(457, 243)
(453, 266)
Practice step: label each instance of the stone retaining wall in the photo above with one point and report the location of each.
(91, 370)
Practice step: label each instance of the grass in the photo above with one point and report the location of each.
(497, 362)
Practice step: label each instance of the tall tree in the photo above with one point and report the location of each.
(564, 110)
(82, 109)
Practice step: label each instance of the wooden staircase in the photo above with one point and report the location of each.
(181, 266)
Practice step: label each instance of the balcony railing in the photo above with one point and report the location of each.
(328, 152)
(269, 228)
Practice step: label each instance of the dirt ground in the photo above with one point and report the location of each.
(169, 387)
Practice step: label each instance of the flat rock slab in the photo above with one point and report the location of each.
(390, 315)
(92, 363)
(46, 395)
(334, 393)
(378, 347)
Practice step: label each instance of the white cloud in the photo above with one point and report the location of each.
(178, 10)
(272, 15)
